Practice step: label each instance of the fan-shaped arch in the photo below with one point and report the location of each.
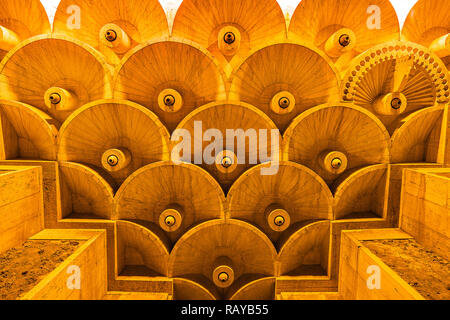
(56, 74)
(363, 23)
(362, 194)
(108, 128)
(140, 250)
(261, 289)
(333, 138)
(300, 75)
(188, 192)
(295, 189)
(232, 245)
(428, 23)
(185, 289)
(244, 130)
(133, 21)
(178, 70)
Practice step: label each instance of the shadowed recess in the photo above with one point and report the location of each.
(242, 250)
(419, 138)
(247, 127)
(84, 193)
(26, 132)
(395, 79)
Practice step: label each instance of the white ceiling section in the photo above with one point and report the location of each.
(401, 6)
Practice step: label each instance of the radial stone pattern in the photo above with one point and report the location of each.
(100, 107)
